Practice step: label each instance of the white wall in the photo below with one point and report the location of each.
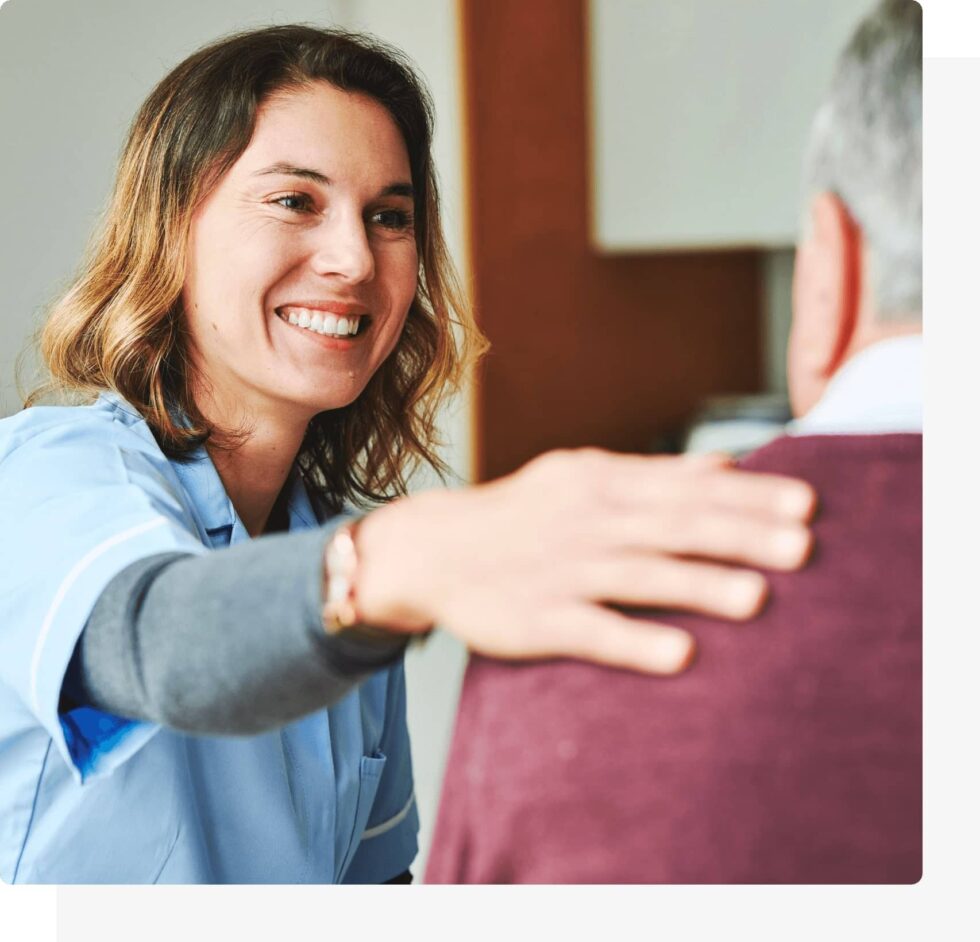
(700, 112)
(72, 75)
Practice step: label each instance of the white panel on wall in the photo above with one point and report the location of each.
(700, 113)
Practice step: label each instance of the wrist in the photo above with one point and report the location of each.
(340, 567)
(348, 611)
(398, 557)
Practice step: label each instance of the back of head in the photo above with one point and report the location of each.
(866, 147)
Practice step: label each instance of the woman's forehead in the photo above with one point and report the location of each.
(319, 124)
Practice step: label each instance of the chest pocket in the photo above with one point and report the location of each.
(368, 780)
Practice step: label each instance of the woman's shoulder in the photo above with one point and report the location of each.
(109, 422)
(89, 469)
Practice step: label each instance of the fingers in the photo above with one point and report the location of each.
(665, 582)
(706, 459)
(712, 533)
(592, 633)
(767, 495)
(703, 480)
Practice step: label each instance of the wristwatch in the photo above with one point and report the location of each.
(340, 616)
(340, 571)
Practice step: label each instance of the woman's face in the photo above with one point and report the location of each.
(302, 261)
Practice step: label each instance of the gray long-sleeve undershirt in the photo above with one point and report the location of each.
(230, 642)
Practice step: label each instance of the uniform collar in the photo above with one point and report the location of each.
(203, 483)
(211, 504)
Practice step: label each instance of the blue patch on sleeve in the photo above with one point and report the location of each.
(91, 734)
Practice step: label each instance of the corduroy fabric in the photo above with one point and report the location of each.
(790, 753)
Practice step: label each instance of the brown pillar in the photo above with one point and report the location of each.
(587, 349)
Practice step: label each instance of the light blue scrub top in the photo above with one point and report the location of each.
(87, 797)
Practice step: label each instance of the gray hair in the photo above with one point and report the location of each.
(866, 147)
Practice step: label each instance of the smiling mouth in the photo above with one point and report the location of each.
(339, 327)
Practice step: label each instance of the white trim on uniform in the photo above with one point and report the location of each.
(393, 821)
(68, 582)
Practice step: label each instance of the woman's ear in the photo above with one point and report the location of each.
(826, 299)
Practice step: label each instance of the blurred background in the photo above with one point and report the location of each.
(620, 182)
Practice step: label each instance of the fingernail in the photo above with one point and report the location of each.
(690, 657)
(793, 546)
(747, 595)
(798, 501)
(677, 651)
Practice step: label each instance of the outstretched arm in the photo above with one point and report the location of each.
(226, 643)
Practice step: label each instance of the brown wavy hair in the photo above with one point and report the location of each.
(120, 326)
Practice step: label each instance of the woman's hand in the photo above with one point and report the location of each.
(521, 567)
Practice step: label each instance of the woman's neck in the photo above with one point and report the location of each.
(254, 470)
(253, 475)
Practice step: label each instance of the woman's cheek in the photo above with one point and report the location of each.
(402, 280)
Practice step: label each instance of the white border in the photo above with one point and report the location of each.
(938, 907)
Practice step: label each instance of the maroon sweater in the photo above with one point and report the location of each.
(790, 753)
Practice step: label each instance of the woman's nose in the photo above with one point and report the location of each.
(343, 249)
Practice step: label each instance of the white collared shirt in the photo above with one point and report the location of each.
(878, 391)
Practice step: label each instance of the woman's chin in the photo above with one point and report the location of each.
(316, 402)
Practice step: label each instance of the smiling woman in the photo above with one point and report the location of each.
(255, 248)
(261, 336)
(286, 261)
(263, 166)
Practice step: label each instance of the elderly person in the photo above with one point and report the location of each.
(793, 752)
(201, 646)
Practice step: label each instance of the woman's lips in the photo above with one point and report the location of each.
(329, 330)
(340, 308)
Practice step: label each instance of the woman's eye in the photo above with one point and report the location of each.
(297, 202)
(393, 219)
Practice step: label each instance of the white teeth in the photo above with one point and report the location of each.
(326, 324)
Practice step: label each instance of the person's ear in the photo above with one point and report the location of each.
(826, 299)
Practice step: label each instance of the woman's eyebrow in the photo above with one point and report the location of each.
(290, 171)
(305, 173)
(399, 189)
